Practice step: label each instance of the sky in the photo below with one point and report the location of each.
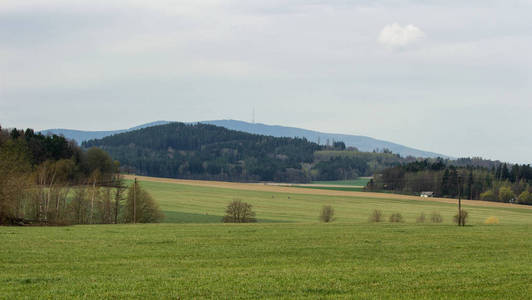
(452, 77)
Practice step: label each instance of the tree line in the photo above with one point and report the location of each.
(51, 180)
(502, 183)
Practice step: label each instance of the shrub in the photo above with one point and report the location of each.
(327, 214)
(506, 194)
(461, 218)
(141, 207)
(376, 216)
(525, 198)
(239, 212)
(396, 218)
(435, 217)
(421, 218)
(492, 220)
(488, 196)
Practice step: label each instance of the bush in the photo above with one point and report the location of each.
(506, 194)
(492, 220)
(488, 196)
(461, 218)
(141, 207)
(421, 218)
(239, 212)
(327, 214)
(376, 216)
(525, 198)
(396, 218)
(435, 217)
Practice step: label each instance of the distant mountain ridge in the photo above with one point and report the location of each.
(362, 143)
(81, 135)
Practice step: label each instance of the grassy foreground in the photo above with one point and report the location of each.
(287, 255)
(362, 261)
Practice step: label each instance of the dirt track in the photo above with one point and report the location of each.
(298, 190)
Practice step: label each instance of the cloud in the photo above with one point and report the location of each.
(395, 35)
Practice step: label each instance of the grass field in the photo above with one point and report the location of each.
(333, 188)
(201, 204)
(361, 261)
(287, 255)
(354, 182)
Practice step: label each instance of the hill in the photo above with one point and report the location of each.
(205, 151)
(362, 143)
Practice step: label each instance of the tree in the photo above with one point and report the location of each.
(461, 218)
(239, 212)
(14, 175)
(327, 214)
(118, 184)
(101, 163)
(339, 145)
(488, 196)
(79, 206)
(506, 194)
(140, 206)
(376, 216)
(525, 197)
(396, 218)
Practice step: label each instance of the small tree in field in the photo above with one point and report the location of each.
(239, 212)
(421, 218)
(327, 214)
(396, 218)
(436, 217)
(461, 218)
(376, 216)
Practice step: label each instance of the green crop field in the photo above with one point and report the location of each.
(287, 255)
(332, 188)
(198, 204)
(355, 182)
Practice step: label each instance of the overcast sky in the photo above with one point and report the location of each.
(452, 77)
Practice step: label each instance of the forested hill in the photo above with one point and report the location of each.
(209, 152)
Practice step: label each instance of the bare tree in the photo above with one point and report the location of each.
(327, 214)
(461, 218)
(396, 218)
(376, 216)
(239, 212)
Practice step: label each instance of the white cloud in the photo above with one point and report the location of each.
(395, 35)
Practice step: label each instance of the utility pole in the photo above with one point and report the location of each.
(135, 201)
(460, 216)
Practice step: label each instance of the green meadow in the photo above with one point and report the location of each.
(288, 254)
(197, 204)
(332, 188)
(363, 181)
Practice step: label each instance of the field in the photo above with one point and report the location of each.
(203, 201)
(333, 188)
(287, 255)
(360, 182)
